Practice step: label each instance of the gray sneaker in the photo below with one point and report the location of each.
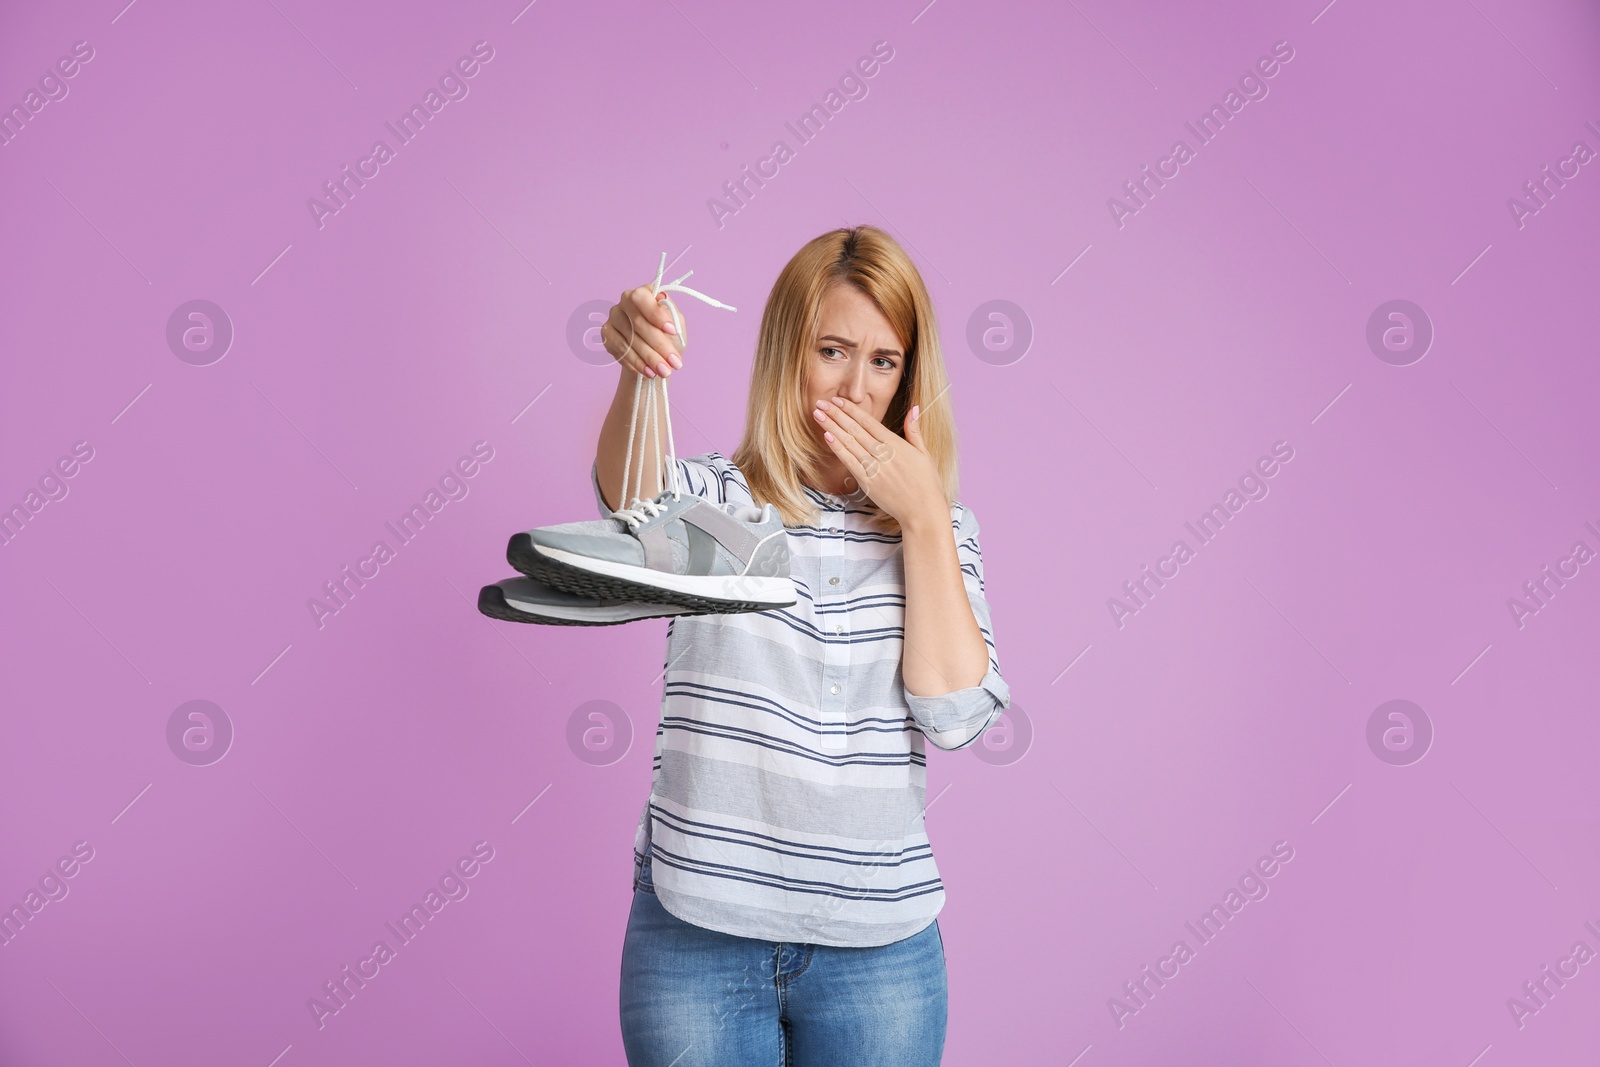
(522, 599)
(675, 549)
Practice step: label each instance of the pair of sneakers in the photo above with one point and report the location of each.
(676, 554)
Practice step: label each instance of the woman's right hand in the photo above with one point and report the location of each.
(640, 335)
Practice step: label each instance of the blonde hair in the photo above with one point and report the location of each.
(780, 452)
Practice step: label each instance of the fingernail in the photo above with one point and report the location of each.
(670, 327)
(648, 373)
(665, 370)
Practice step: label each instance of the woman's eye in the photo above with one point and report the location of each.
(827, 350)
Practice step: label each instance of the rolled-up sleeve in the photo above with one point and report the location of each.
(705, 475)
(956, 719)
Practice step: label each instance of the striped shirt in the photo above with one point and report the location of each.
(787, 790)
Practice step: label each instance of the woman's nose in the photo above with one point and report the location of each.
(855, 384)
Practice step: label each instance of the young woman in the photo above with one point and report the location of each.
(785, 891)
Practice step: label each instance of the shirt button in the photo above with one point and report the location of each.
(833, 581)
(838, 629)
(833, 529)
(835, 689)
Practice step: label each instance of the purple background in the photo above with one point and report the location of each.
(370, 353)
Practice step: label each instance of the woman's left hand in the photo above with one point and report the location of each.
(896, 472)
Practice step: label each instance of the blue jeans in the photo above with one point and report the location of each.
(693, 997)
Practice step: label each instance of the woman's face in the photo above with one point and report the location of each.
(855, 355)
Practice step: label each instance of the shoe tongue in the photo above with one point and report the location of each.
(742, 512)
(662, 500)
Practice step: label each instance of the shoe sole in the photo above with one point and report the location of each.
(602, 579)
(492, 602)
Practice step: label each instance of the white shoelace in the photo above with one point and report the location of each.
(657, 412)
